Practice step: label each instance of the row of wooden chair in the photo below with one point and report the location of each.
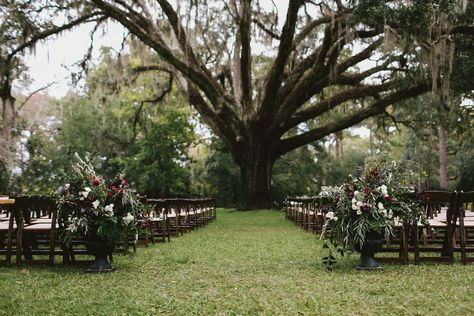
(168, 217)
(30, 227)
(307, 212)
(451, 227)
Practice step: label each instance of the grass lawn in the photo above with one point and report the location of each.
(243, 263)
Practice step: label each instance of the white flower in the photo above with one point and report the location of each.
(381, 207)
(397, 220)
(81, 198)
(383, 189)
(354, 207)
(330, 215)
(87, 189)
(334, 218)
(359, 212)
(95, 204)
(109, 209)
(359, 204)
(66, 186)
(84, 194)
(128, 219)
(354, 201)
(390, 214)
(356, 192)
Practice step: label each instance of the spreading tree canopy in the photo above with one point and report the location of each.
(268, 82)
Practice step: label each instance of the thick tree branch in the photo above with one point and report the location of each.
(274, 78)
(377, 107)
(56, 30)
(263, 28)
(150, 36)
(245, 57)
(325, 105)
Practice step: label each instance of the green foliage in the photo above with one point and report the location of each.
(466, 165)
(4, 179)
(222, 174)
(296, 174)
(160, 166)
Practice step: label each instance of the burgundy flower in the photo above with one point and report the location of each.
(91, 197)
(366, 190)
(96, 181)
(388, 198)
(375, 173)
(115, 188)
(366, 208)
(351, 194)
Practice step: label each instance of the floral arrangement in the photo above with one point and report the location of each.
(90, 207)
(382, 198)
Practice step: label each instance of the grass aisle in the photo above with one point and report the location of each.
(244, 263)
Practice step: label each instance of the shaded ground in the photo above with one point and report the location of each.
(244, 263)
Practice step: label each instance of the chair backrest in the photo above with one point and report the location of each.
(434, 202)
(466, 198)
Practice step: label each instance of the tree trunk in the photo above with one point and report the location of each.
(443, 183)
(339, 149)
(8, 124)
(255, 185)
(256, 164)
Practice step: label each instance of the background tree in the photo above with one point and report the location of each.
(22, 25)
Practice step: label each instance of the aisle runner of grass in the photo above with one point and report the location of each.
(244, 263)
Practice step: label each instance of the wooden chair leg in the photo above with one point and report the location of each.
(416, 244)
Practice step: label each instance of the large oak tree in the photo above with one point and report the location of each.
(325, 55)
(266, 87)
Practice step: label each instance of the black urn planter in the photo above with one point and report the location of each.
(373, 243)
(101, 249)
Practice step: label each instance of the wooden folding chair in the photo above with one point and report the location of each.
(10, 235)
(39, 233)
(398, 244)
(466, 225)
(439, 209)
(158, 221)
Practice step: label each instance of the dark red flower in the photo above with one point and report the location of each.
(388, 198)
(85, 203)
(90, 197)
(116, 188)
(366, 190)
(366, 208)
(109, 193)
(351, 194)
(96, 180)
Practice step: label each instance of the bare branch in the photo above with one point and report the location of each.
(22, 104)
(263, 28)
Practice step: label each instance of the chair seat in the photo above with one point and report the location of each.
(41, 220)
(38, 226)
(5, 224)
(155, 219)
(436, 223)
